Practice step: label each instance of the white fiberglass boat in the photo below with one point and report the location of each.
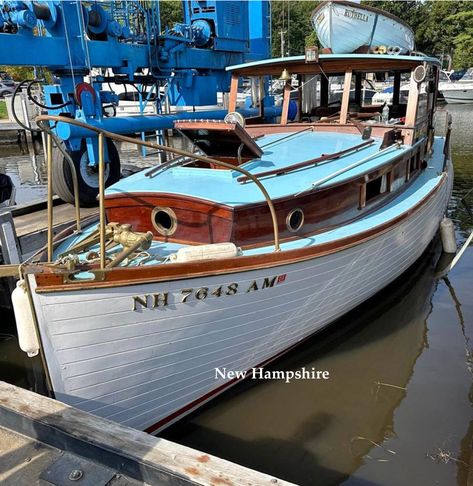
(460, 91)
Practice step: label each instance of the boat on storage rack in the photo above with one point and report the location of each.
(230, 256)
(343, 26)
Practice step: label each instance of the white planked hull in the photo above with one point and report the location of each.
(152, 366)
(345, 28)
(458, 94)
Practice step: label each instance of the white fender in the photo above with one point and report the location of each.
(447, 235)
(25, 322)
(215, 251)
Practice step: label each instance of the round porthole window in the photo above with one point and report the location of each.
(164, 220)
(295, 220)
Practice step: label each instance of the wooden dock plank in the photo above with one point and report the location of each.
(37, 221)
(128, 451)
(25, 461)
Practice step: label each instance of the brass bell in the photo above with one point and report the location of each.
(285, 76)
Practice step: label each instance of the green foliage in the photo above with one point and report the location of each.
(463, 54)
(441, 27)
(171, 12)
(18, 73)
(3, 109)
(299, 32)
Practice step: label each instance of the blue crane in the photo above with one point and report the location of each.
(88, 45)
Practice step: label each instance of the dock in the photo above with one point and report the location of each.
(45, 442)
(23, 228)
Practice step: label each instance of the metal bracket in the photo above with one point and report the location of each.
(97, 275)
(69, 470)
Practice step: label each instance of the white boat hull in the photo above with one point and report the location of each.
(345, 28)
(458, 95)
(148, 367)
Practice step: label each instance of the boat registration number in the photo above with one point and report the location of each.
(163, 299)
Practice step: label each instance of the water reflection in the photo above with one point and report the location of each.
(27, 172)
(397, 409)
(306, 430)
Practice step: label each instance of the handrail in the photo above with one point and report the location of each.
(306, 163)
(123, 138)
(75, 183)
(331, 176)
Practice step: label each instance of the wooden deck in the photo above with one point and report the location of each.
(35, 222)
(29, 225)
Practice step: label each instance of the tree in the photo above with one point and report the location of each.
(170, 13)
(441, 27)
(18, 73)
(293, 18)
(463, 53)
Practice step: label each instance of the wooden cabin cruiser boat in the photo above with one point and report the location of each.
(230, 256)
(344, 26)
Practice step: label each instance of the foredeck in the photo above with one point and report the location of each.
(422, 187)
(223, 186)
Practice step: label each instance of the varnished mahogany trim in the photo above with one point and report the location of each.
(235, 132)
(326, 208)
(412, 101)
(140, 197)
(378, 130)
(232, 102)
(199, 221)
(362, 196)
(51, 279)
(385, 197)
(345, 97)
(285, 103)
(329, 66)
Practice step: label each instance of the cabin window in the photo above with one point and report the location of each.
(414, 163)
(376, 187)
(164, 221)
(295, 220)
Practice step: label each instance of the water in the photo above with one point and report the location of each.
(397, 409)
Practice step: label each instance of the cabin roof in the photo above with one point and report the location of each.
(370, 62)
(222, 186)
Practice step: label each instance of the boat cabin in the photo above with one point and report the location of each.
(338, 90)
(328, 156)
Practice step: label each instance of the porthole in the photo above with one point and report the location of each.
(295, 220)
(164, 220)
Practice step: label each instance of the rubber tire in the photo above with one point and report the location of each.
(62, 176)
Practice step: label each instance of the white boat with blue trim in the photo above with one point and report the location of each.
(232, 255)
(344, 26)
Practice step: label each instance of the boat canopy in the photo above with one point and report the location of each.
(331, 62)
